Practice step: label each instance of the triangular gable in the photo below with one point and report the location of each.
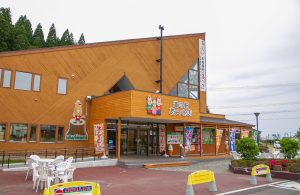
(122, 85)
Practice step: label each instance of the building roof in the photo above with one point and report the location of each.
(222, 121)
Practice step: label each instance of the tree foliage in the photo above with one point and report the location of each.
(289, 147)
(247, 148)
(20, 35)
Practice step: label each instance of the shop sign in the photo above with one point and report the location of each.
(74, 187)
(175, 138)
(202, 64)
(180, 109)
(260, 169)
(77, 124)
(153, 106)
(99, 137)
(162, 138)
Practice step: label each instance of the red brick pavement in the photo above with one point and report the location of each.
(133, 181)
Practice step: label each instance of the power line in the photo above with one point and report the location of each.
(253, 87)
(271, 112)
(254, 105)
(271, 119)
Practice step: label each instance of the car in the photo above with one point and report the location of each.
(276, 144)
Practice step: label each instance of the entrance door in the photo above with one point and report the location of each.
(153, 140)
(132, 141)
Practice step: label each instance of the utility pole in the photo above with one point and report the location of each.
(257, 114)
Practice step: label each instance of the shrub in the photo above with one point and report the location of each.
(235, 163)
(247, 148)
(278, 168)
(295, 168)
(289, 147)
(263, 148)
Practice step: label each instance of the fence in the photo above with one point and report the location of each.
(20, 156)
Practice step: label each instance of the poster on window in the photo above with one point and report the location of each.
(174, 138)
(219, 135)
(202, 65)
(162, 138)
(188, 135)
(207, 136)
(99, 137)
(245, 133)
(232, 140)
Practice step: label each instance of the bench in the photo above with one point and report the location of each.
(166, 164)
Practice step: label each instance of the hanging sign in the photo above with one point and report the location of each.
(232, 140)
(180, 109)
(202, 64)
(188, 135)
(162, 138)
(174, 138)
(99, 137)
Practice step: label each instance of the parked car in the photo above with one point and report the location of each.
(276, 144)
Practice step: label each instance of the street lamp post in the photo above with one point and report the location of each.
(257, 114)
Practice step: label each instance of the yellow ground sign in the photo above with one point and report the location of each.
(72, 188)
(202, 176)
(260, 170)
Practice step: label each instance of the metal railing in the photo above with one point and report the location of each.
(20, 156)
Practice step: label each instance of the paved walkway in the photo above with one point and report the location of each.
(135, 181)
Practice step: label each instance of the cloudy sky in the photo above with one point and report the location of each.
(253, 46)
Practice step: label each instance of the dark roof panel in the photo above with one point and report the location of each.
(222, 121)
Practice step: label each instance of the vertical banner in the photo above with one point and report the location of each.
(254, 135)
(99, 137)
(232, 140)
(199, 140)
(219, 135)
(188, 135)
(162, 138)
(202, 64)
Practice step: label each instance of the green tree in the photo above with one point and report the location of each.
(22, 34)
(6, 30)
(289, 147)
(298, 133)
(71, 40)
(52, 39)
(247, 148)
(81, 40)
(38, 39)
(65, 38)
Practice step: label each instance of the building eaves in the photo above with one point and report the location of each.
(222, 121)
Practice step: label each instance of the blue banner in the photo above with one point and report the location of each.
(232, 140)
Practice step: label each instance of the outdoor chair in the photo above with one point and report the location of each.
(60, 157)
(266, 155)
(44, 176)
(68, 174)
(34, 173)
(30, 160)
(69, 160)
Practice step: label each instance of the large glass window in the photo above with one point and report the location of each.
(60, 134)
(188, 86)
(62, 86)
(37, 82)
(23, 81)
(2, 131)
(32, 135)
(182, 90)
(48, 133)
(6, 78)
(18, 132)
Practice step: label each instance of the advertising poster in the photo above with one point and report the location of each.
(219, 135)
(232, 140)
(207, 136)
(254, 135)
(188, 134)
(99, 137)
(162, 138)
(175, 138)
(199, 141)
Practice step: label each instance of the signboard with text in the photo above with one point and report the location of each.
(180, 109)
(202, 64)
(99, 137)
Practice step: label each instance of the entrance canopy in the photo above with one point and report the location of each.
(151, 120)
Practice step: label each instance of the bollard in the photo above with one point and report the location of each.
(253, 180)
(189, 187)
(269, 177)
(213, 186)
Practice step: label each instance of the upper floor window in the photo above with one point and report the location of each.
(62, 86)
(188, 86)
(5, 78)
(2, 131)
(27, 81)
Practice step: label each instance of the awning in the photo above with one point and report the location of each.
(204, 119)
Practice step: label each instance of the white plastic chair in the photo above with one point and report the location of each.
(60, 157)
(69, 160)
(44, 176)
(68, 174)
(31, 159)
(34, 173)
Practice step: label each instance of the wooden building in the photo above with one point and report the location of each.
(107, 95)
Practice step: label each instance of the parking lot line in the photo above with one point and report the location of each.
(258, 186)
